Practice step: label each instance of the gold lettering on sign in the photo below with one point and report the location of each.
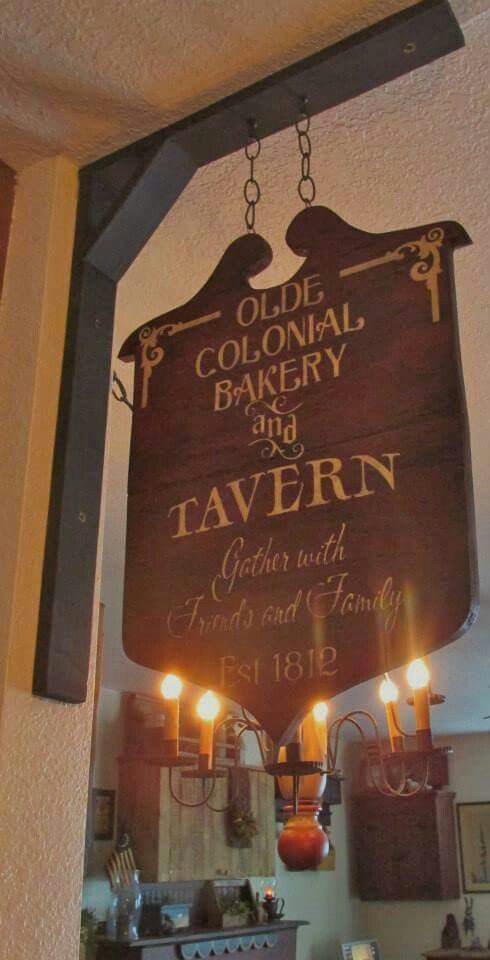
(331, 597)
(427, 268)
(304, 664)
(265, 382)
(327, 469)
(187, 618)
(152, 354)
(181, 510)
(238, 565)
(292, 666)
(330, 551)
(280, 484)
(275, 428)
(182, 619)
(387, 472)
(274, 615)
(245, 506)
(278, 301)
(287, 489)
(286, 376)
(214, 507)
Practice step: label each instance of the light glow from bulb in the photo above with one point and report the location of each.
(171, 687)
(320, 711)
(418, 675)
(208, 706)
(388, 691)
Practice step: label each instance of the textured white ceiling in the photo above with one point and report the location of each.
(414, 151)
(84, 77)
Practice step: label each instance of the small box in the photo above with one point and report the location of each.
(174, 916)
(228, 903)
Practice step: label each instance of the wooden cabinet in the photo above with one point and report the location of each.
(176, 843)
(276, 941)
(405, 849)
(172, 842)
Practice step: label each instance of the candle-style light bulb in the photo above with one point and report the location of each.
(389, 691)
(320, 711)
(208, 708)
(314, 731)
(418, 678)
(171, 689)
(389, 694)
(418, 675)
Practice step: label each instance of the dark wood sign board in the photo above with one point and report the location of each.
(123, 198)
(299, 503)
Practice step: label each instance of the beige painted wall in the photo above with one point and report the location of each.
(44, 746)
(108, 747)
(406, 930)
(325, 899)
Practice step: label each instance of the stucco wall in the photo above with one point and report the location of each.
(44, 746)
(407, 153)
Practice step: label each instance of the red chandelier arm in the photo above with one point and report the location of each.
(401, 731)
(236, 765)
(188, 803)
(385, 787)
(256, 729)
(245, 724)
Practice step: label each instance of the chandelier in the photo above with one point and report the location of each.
(303, 765)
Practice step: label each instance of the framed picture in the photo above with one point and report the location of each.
(104, 804)
(474, 840)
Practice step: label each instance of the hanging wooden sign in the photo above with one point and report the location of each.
(299, 507)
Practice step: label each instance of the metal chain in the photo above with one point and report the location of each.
(251, 189)
(306, 184)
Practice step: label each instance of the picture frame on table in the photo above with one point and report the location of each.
(474, 845)
(104, 808)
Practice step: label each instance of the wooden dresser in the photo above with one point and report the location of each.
(458, 953)
(406, 848)
(275, 941)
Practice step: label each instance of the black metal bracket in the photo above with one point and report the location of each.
(123, 199)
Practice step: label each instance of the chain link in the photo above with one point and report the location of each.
(251, 189)
(306, 184)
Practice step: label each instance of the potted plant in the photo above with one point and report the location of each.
(234, 912)
(242, 825)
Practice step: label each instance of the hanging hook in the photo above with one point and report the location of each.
(122, 396)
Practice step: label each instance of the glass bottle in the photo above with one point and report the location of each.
(113, 912)
(129, 908)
